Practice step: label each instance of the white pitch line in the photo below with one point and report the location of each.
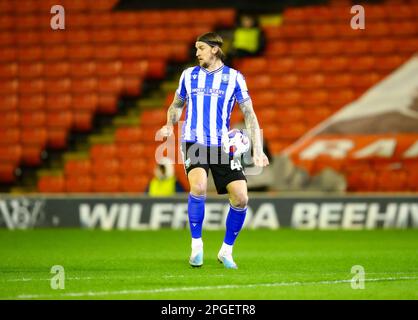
(164, 290)
(179, 276)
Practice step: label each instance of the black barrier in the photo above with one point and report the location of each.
(143, 213)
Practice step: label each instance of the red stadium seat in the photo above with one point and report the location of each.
(108, 68)
(78, 52)
(281, 65)
(101, 5)
(100, 36)
(8, 54)
(340, 97)
(263, 98)
(329, 47)
(285, 81)
(51, 184)
(289, 114)
(31, 102)
(30, 70)
(106, 183)
(131, 86)
(78, 36)
(358, 47)
(314, 97)
(108, 103)
(277, 48)
(292, 130)
(129, 150)
(323, 31)
(377, 29)
(7, 39)
(81, 69)
(58, 101)
(129, 134)
(6, 22)
(84, 85)
(57, 137)
(339, 80)
(58, 86)
(391, 180)
(260, 81)
(129, 19)
(9, 86)
(31, 155)
(289, 98)
(362, 63)
(8, 70)
(31, 86)
(153, 117)
(10, 153)
(10, 135)
(110, 85)
(8, 102)
(103, 151)
(383, 46)
(133, 183)
(411, 182)
(34, 119)
(82, 121)
(335, 64)
(7, 172)
(106, 52)
(311, 81)
(9, 119)
(56, 69)
(56, 53)
(74, 6)
(104, 166)
(307, 64)
(62, 119)
(27, 38)
(34, 53)
(34, 136)
(133, 166)
(79, 167)
(85, 102)
(103, 20)
(301, 48)
(78, 184)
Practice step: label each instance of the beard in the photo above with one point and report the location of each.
(203, 64)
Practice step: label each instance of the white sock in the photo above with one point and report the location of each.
(226, 249)
(197, 246)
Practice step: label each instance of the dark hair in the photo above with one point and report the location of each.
(214, 40)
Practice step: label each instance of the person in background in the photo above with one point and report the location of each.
(248, 38)
(164, 182)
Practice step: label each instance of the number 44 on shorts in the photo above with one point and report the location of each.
(236, 165)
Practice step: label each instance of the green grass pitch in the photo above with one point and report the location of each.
(280, 264)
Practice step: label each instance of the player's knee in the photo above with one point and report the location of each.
(239, 200)
(198, 189)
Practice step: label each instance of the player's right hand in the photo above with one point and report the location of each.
(166, 130)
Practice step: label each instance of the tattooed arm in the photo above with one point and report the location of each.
(251, 123)
(173, 115)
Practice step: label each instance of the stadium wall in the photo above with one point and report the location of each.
(143, 213)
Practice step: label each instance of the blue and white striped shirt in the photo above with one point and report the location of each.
(210, 98)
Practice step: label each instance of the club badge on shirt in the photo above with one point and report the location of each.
(225, 78)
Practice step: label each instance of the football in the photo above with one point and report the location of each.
(236, 142)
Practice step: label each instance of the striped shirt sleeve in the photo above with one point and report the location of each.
(241, 90)
(181, 90)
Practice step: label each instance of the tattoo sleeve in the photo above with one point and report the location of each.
(252, 125)
(175, 110)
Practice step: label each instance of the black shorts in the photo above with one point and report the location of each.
(224, 167)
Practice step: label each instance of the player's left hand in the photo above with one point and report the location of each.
(261, 160)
